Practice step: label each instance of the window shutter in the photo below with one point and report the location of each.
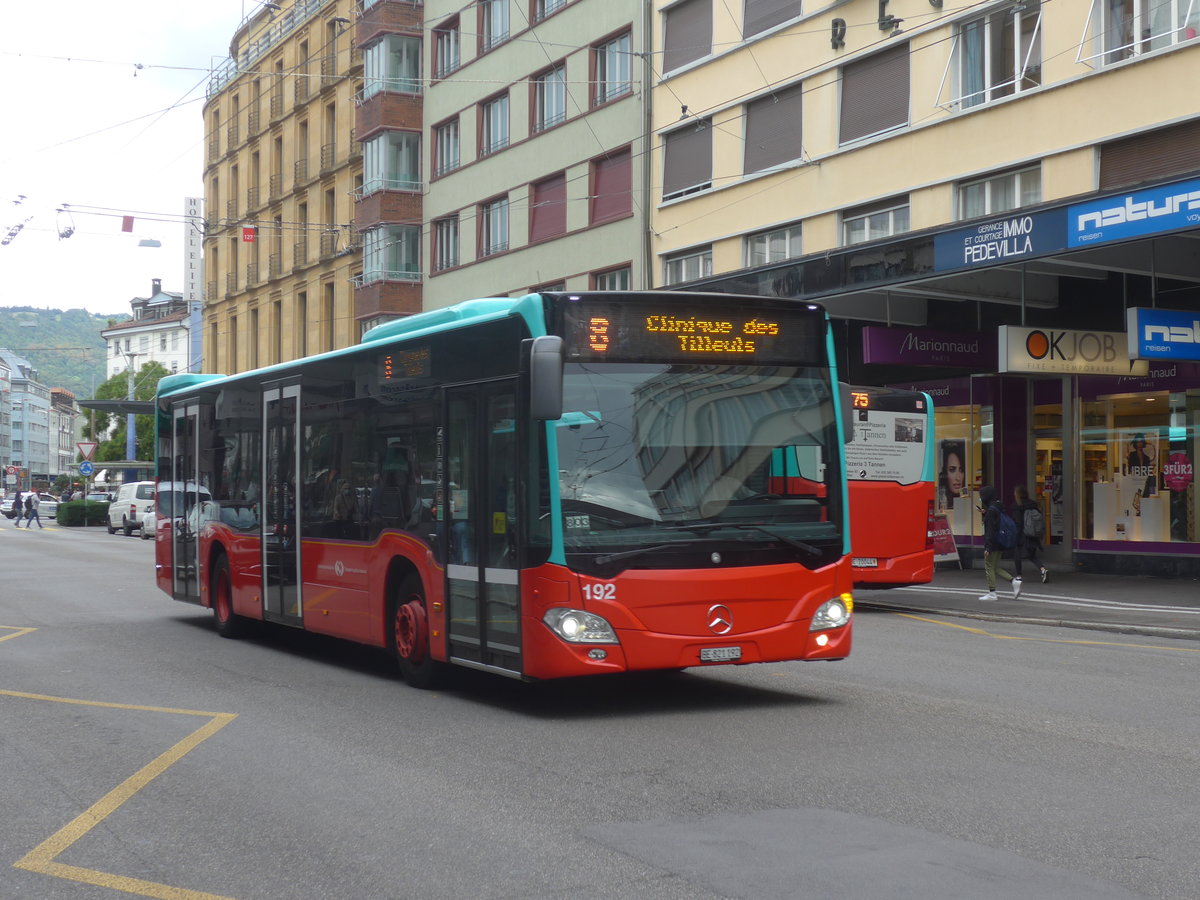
(687, 160)
(875, 94)
(687, 33)
(773, 129)
(764, 14)
(612, 186)
(1147, 157)
(548, 209)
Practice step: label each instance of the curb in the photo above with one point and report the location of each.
(1110, 627)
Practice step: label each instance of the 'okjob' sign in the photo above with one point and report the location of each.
(1152, 211)
(1053, 351)
(1162, 333)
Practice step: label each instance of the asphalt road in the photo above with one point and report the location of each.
(144, 756)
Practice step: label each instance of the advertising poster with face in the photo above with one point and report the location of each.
(952, 472)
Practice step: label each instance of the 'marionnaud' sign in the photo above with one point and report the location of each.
(1056, 352)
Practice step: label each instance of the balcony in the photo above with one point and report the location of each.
(328, 157)
(275, 264)
(231, 285)
(275, 187)
(252, 199)
(231, 210)
(251, 274)
(299, 254)
(210, 290)
(329, 74)
(301, 88)
(329, 244)
(232, 136)
(214, 148)
(276, 105)
(301, 172)
(254, 121)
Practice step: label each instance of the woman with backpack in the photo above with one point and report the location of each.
(995, 541)
(1031, 526)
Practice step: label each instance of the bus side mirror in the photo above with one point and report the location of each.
(846, 400)
(546, 378)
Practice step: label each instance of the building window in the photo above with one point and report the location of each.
(392, 162)
(773, 246)
(687, 160)
(1000, 193)
(392, 64)
(445, 139)
(763, 14)
(611, 187)
(493, 226)
(543, 8)
(773, 129)
(688, 266)
(446, 55)
(874, 94)
(493, 131)
(612, 70)
(687, 33)
(1122, 29)
(1000, 54)
(879, 220)
(392, 253)
(445, 243)
(548, 208)
(493, 23)
(612, 280)
(550, 98)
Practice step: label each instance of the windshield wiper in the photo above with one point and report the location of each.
(630, 554)
(704, 527)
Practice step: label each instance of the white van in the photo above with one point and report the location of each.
(133, 500)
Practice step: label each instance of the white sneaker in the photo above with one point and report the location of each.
(990, 595)
(1016, 583)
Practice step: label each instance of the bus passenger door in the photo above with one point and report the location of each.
(280, 515)
(184, 529)
(481, 507)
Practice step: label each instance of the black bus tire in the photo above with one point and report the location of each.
(228, 623)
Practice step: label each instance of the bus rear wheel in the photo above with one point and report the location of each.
(229, 624)
(410, 635)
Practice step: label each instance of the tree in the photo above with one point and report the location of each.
(145, 384)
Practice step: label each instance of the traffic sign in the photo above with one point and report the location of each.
(86, 468)
(86, 448)
(11, 470)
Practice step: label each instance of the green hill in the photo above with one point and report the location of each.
(64, 345)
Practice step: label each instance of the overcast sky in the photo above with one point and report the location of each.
(102, 110)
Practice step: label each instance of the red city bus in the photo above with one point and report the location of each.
(890, 475)
(545, 486)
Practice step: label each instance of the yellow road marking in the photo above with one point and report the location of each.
(1042, 640)
(41, 859)
(16, 632)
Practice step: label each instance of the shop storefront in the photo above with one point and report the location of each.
(995, 321)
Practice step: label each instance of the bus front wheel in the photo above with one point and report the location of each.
(229, 625)
(410, 635)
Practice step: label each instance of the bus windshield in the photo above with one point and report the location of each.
(658, 460)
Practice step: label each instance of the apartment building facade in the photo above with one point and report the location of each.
(535, 136)
(283, 164)
(970, 191)
(160, 331)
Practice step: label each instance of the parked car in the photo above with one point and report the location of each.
(134, 499)
(99, 497)
(47, 508)
(148, 524)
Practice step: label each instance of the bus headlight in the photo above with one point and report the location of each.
(579, 627)
(833, 613)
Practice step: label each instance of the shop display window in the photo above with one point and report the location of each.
(964, 463)
(1136, 466)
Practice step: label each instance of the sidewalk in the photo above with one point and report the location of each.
(1129, 604)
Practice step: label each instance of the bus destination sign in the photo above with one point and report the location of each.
(597, 328)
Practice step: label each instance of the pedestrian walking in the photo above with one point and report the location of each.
(31, 510)
(1031, 524)
(18, 507)
(993, 550)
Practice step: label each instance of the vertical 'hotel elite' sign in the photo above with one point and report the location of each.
(193, 250)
